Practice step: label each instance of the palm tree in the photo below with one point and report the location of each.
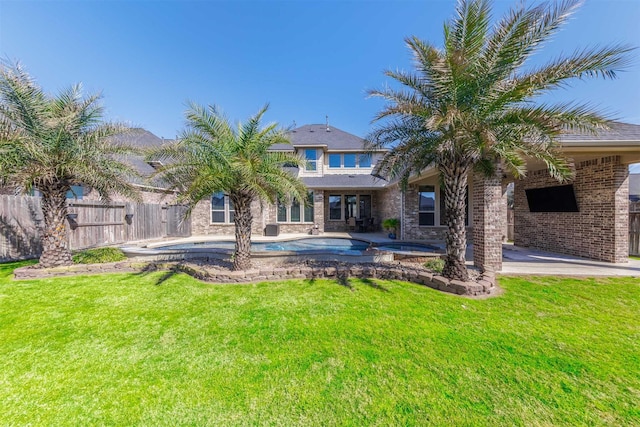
(470, 105)
(212, 156)
(50, 143)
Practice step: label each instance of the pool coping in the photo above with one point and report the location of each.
(156, 252)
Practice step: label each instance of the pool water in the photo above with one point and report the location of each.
(406, 247)
(326, 245)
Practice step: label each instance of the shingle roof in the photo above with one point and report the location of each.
(617, 132)
(318, 136)
(140, 138)
(362, 182)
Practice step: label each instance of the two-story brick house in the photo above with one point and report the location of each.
(338, 175)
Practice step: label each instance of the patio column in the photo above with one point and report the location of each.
(489, 219)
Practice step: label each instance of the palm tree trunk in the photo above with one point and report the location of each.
(55, 244)
(455, 184)
(243, 220)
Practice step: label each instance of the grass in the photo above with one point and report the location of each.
(436, 265)
(168, 350)
(99, 256)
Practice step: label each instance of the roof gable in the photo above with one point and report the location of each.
(317, 135)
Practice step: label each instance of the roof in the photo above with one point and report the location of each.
(617, 132)
(332, 138)
(140, 138)
(360, 182)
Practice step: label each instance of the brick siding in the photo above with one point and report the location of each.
(598, 231)
(489, 205)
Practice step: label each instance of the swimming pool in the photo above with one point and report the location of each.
(406, 247)
(336, 246)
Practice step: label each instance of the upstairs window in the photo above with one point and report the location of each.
(335, 160)
(349, 160)
(311, 157)
(364, 160)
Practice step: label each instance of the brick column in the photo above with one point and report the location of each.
(621, 211)
(318, 209)
(489, 219)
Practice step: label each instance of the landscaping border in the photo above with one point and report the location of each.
(484, 286)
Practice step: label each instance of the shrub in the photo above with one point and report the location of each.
(436, 265)
(391, 224)
(98, 256)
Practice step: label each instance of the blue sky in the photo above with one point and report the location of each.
(307, 59)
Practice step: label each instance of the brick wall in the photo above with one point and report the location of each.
(389, 206)
(263, 214)
(598, 231)
(412, 229)
(201, 221)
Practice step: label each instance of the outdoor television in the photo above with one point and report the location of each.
(552, 199)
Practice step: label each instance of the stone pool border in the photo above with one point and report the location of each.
(484, 286)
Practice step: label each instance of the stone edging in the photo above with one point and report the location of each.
(485, 285)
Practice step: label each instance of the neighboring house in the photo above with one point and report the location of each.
(151, 190)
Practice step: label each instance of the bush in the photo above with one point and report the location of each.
(391, 224)
(436, 265)
(98, 256)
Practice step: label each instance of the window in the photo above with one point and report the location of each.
(335, 160)
(308, 208)
(222, 208)
(350, 207)
(349, 160)
(443, 218)
(344, 206)
(282, 211)
(311, 156)
(76, 192)
(426, 205)
(294, 211)
(364, 160)
(335, 207)
(365, 206)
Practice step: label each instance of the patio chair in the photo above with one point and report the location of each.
(351, 223)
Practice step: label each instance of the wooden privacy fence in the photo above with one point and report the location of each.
(20, 219)
(634, 229)
(90, 224)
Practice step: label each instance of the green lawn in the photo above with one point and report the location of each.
(154, 350)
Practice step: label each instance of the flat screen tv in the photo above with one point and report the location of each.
(552, 199)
